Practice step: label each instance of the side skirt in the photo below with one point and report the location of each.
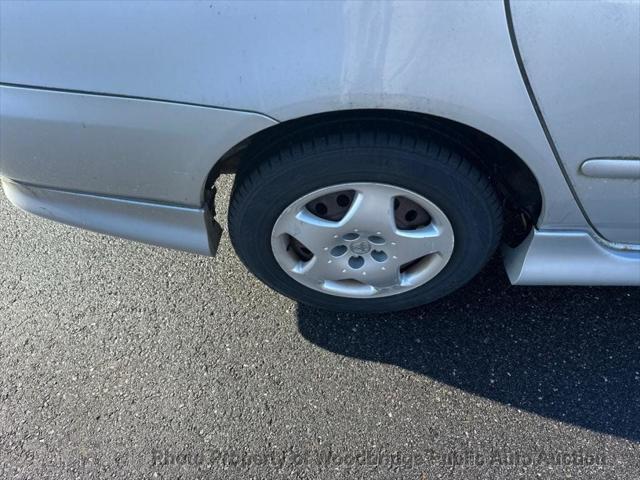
(569, 258)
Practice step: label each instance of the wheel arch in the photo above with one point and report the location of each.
(513, 179)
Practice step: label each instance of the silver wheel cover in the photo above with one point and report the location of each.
(364, 254)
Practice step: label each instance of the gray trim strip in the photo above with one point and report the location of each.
(180, 228)
(131, 97)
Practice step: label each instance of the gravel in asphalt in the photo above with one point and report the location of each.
(121, 360)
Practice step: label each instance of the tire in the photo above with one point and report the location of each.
(415, 163)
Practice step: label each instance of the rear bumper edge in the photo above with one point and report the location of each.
(189, 229)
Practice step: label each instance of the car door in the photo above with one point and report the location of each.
(582, 62)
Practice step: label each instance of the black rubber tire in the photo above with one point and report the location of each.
(409, 161)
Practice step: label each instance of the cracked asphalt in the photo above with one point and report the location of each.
(120, 360)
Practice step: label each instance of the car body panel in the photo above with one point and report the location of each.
(119, 147)
(583, 62)
(112, 114)
(448, 59)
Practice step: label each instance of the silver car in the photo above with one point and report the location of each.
(382, 151)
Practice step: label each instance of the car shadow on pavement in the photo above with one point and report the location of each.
(567, 353)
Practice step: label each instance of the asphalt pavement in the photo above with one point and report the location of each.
(121, 360)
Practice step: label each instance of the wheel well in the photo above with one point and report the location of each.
(512, 178)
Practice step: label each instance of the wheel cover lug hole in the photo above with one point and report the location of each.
(356, 262)
(338, 250)
(376, 239)
(350, 236)
(379, 256)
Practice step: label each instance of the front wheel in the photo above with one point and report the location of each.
(364, 221)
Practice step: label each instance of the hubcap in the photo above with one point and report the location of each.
(362, 240)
